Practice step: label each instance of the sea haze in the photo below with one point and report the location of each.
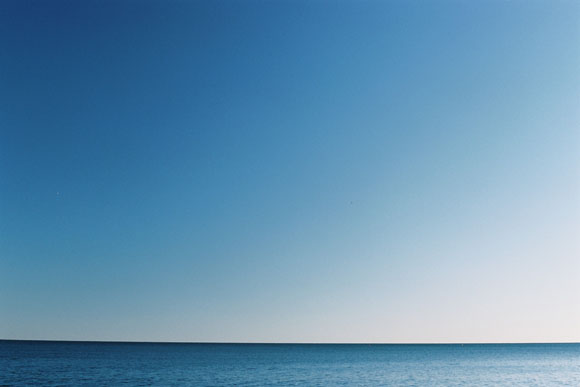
(136, 364)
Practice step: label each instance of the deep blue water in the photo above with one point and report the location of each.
(141, 364)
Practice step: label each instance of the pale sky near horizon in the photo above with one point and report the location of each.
(290, 171)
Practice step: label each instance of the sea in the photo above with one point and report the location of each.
(52, 363)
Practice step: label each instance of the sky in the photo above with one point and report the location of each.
(290, 171)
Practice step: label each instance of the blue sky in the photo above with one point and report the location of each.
(290, 171)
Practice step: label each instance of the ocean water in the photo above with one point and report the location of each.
(144, 364)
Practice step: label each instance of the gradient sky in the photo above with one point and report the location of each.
(290, 171)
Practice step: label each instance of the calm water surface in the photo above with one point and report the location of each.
(142, 364)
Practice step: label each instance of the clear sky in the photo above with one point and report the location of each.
(394, 171)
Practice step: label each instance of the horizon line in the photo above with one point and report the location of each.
(289, 343)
